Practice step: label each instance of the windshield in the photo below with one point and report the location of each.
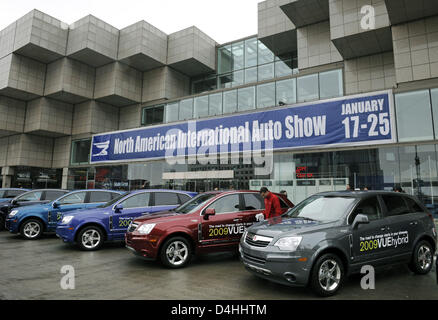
(193, 204)
(111, 202)
(321, 208)
(2, 193)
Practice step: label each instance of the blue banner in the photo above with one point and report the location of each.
(346, 121)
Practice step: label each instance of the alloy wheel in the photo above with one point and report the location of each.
(177, 253)
(329, 275)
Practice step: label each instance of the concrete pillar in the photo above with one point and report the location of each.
(64, 178)
(7, 173)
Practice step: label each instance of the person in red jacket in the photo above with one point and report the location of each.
(272, 203)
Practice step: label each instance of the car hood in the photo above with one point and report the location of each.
(5, 203)
(160, 216)
(280, 225)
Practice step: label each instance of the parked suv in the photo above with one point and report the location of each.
(211, 221)
(331, 235)
(109, 222)
(27, 199)
(32, 221)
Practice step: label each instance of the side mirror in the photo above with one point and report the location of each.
(360, 219)
(56, 204)
(209, 212)
(118, 208)
(14, 202)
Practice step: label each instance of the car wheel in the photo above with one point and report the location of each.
(31, 229)
(176, 252)
(422, 258)
(327, 275)
(90, 238)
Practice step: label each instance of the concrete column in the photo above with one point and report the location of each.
(64, 178)
(7, 173)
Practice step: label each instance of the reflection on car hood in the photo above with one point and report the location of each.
(162, 215)
(277, 225)
(89, 212)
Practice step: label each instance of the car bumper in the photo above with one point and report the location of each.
(141, 246)
(66, 233)
(11, 224)
(292, 269)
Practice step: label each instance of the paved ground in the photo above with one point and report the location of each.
(31, 270)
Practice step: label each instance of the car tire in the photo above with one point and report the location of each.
(90, 238)
(31, 229)
(422, 258)
(327, 275)
(183, 254)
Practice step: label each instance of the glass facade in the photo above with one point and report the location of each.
(36, 178)
(80, 151)
(414, 115)
(244, 62)
(152, 115)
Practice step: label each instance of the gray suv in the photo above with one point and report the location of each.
(331, 235)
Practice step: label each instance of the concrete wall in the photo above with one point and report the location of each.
(12, 116)
(416, 50)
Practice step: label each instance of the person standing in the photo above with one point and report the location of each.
(272, 204)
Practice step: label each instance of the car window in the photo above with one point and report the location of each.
(369, 207)
(226, 204)
(415, 207)
(31, 196)
(322, 208)
(183, 197)
(74, 198)
(395, 205)
(166, 199)
(99, 196)
(253, 201)
(137, 201)
(13, 193)
(114, 195)
(52, 195)
(195, 203)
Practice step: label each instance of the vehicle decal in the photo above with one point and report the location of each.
(380, 241)
(227, 229)
(125, 221)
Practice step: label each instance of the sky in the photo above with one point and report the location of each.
(222, 20)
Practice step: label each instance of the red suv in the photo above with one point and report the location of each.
(210, 222)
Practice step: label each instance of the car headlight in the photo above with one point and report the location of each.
(288, 243)
(146, 228)
(13, 213)
(66, 219)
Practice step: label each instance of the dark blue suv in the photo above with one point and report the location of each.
(32, 221)
(109, 222)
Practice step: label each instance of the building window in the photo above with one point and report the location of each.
(230, 101)
(265, 55)
(152, 115)
(246, 99)
(266, 72)
(172, 112)
(286, 91)
(237, 78)
(414, 118)
(266, 95)
(185, 109)
(238, 55)
(80, 151)
(225, 81)
(225, 60)
(251, 75)
(251, 52)
(215, 104)
(308, 88)
(201, 107)
(434, 95)
(283, 68)
(330, 84)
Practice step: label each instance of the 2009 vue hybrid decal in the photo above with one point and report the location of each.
(354, 120)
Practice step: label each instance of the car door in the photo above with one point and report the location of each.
(253, 204)
(226, 226)
(72, 201)
(403, 223)
(163, 201)
(133, 206)
(367, 238)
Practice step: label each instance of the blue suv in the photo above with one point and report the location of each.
(109, 222)
(32, 221)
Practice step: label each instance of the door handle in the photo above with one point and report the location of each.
(237, 219)
(385, 228)
(413, 223)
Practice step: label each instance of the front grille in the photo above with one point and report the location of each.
(254, 259)
(132, 227)
(261, 242)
